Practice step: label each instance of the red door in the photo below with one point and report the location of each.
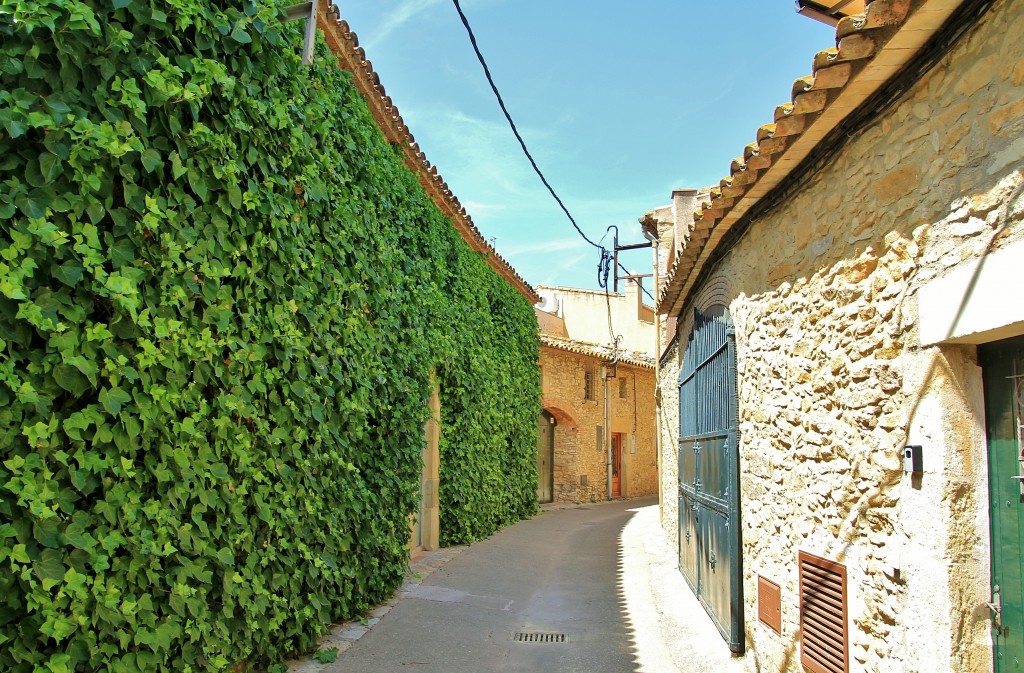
(616, 464)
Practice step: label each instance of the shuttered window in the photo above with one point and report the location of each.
(823, 615)
(589, 383)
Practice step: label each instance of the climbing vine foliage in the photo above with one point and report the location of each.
(222, 295)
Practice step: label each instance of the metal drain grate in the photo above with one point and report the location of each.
(540, 638)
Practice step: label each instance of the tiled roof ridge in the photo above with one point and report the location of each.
(344, 44)
(580, 290)
(842, 78)
(597, 351)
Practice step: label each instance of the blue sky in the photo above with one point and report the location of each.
(618, 102)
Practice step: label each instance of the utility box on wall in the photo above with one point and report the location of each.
(913, 461)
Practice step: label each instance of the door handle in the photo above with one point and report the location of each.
(996, 606)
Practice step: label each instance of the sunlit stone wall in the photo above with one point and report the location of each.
(828, 293)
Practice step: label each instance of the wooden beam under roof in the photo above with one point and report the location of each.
(829, 11)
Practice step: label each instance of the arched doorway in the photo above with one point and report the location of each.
(545, 457)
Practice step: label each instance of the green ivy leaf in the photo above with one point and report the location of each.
(49, 166)
(239, 35)
(33, 204)
(50, 565)
(69, 273)
(47, 534)
(122, 252)
(57, 106)
(198, 184)
(151, 160)
(113, 398)
(76, 536)
(327, 656)
(71, 380)
(15, 127)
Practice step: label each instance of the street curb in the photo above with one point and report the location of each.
(341, 636)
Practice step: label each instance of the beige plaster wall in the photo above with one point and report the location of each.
(834, 379)
(577, 453)
(585, 316)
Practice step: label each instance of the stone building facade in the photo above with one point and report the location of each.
(580, 436)
(861, 267)
(576, 375)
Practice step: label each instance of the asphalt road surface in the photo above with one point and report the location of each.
(552, 581)
(578, 589)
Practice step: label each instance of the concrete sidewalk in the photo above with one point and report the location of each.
(602, 575)
(672, 631)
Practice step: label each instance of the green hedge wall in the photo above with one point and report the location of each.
(221, 297)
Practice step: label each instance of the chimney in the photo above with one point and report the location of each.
(634, 297)
(684, 203)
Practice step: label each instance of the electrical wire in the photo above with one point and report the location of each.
(604, 265)
(508, 117)
(646, 291)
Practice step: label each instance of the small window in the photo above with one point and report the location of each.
(589, 383)
(622, 388)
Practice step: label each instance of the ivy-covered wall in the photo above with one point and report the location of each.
(221, 297)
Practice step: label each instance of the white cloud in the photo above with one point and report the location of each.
(533, 247)
(398, 17)
(556, 268)
(477, 209)
(487, 156)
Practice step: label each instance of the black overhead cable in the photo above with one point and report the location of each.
(522, 143)
(646, 291)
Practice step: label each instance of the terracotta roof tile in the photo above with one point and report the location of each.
(598, 351)
(344, 44)
(842, 78)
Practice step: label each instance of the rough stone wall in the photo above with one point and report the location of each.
(577, 454)
(633, 416)
(833, 381)
(669, 418)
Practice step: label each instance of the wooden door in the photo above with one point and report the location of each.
(1003, 367)
(616, 464)
(545, 457)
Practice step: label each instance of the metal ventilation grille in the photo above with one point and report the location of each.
(769, 604)
(825, 646)
(539, 637)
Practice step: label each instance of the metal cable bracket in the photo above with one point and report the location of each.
(307, 11)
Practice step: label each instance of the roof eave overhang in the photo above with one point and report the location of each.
(576, 348)
(344, 44)
(871, 49)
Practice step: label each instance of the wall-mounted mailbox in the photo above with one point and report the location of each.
(913, 462)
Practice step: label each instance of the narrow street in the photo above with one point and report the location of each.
(601, 575)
